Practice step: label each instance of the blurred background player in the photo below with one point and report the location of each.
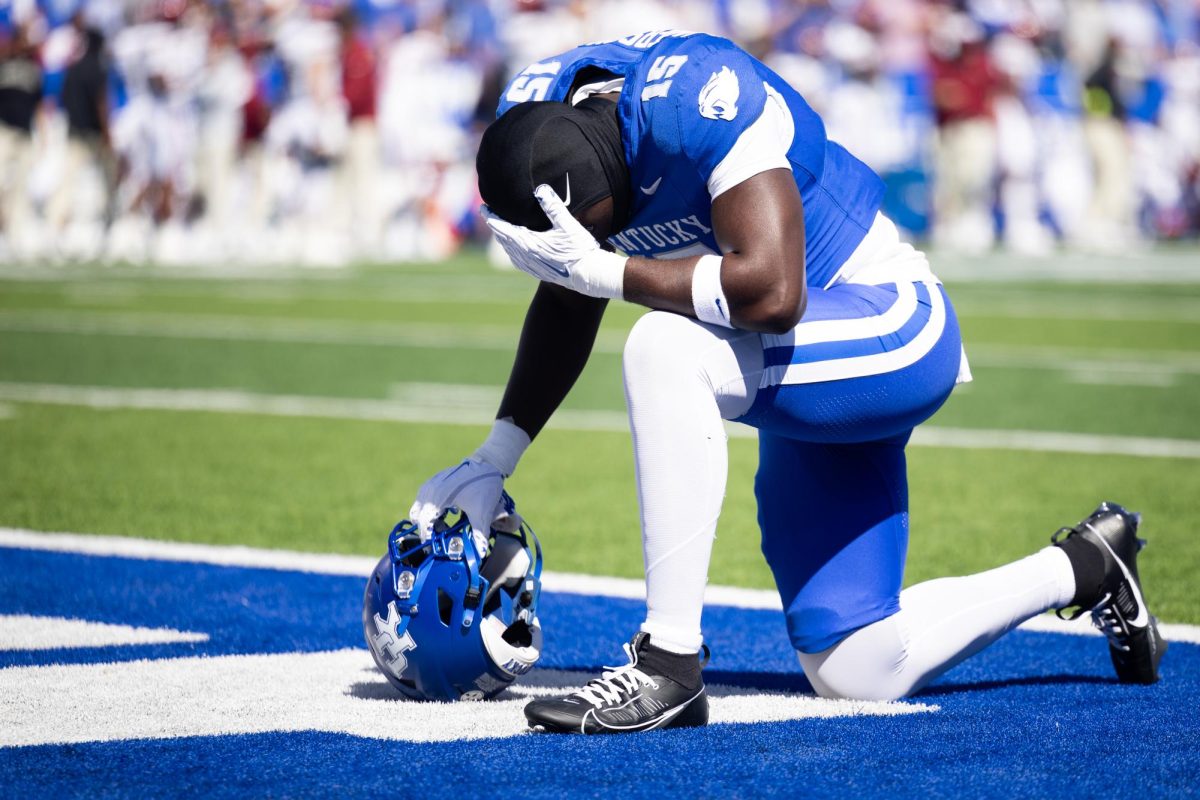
(77, 217)
(20, 94)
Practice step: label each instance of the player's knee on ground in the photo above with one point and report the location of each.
(869, 664)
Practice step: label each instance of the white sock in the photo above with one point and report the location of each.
(940, 623)
(680, 377)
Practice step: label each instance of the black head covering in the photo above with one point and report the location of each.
(546, 142)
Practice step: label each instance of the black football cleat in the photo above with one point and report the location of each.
(624, 699)
(1121, 614)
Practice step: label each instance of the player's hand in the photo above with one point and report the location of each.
(475, 488)
(566, 254)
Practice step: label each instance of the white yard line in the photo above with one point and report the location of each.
(235, 401)
(1108, 309)
(1055, 442)
(27, 632)
(332, 564)
(251, 329)
(1108, 366)
(462, 413)
(1090, 376)
(1067, 358)
(361, 566)
(1152, 266)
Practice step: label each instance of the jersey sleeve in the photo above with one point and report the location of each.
(731, 125)
(538, 81)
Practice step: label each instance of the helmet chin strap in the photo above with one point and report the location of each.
(474, 596)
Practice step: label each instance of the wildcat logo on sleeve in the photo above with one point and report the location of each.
(718, 98)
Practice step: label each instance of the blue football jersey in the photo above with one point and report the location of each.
(686, 100)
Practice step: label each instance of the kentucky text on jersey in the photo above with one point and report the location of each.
(699, 115)
(654, 238)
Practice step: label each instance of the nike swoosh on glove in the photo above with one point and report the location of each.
(475, 488)
(566, 254)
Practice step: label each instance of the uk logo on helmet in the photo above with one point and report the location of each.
(473, 609)
(391, 645)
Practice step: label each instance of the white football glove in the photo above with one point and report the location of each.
(475, 488)
(566, 254)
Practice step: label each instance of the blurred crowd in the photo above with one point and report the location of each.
(333, 131)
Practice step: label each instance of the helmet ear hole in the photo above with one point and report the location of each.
(445, 607)
(519, 634)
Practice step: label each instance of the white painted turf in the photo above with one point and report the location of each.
(465, 408)
(27, 632)
(337, 691)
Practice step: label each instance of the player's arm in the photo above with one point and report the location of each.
(759, 226)
(556, 341)
(758, 284)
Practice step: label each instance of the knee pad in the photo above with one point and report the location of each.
(661, 339)
(667, 346)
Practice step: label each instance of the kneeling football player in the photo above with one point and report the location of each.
(675, 171)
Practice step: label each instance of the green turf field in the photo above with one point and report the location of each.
(302, 410)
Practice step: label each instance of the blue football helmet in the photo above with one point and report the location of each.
(444, 623)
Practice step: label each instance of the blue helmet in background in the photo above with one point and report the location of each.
(445, 624)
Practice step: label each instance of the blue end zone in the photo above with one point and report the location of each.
(1034, 715)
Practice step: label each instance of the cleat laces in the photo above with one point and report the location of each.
(1108, 620)
(615, 682)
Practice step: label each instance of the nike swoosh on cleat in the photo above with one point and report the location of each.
(567, 200)
(650, 725)
(1143, 618)
(652, 188)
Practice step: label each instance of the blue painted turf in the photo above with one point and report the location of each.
(1036, 715)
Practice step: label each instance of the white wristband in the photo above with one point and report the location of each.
(600, 274)
(708, 298)
(503, 447)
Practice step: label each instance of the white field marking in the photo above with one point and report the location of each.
(1049, 623)
(361, 566)
(1060, 357)
(1160, 379)
(241, 402)
(1108, 309)
(1152, 368)
(337, 691)
(251, 329)
(433, 286)
(25, 632)
(1154, 266)
(504, 338)
(334, 564)
(421, 288)
(1055, 442)
(457, 395)
(235, 401)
